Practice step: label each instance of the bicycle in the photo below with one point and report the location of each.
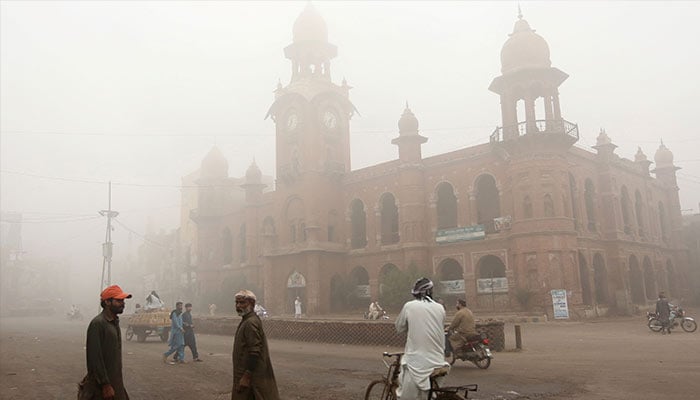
(385, 388)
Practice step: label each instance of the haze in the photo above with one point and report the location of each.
(138, 92)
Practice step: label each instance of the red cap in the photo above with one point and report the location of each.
(114, 292)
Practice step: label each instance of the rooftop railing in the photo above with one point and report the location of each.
(551, 126)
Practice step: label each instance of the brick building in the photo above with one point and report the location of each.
(523, 214)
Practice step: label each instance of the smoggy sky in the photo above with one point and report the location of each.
(139, 92)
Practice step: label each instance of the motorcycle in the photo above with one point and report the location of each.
(74, 315)
(261, 311)
(476, 350)
(382, 315)
(678, 317)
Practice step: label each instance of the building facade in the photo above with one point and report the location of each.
(502, 223)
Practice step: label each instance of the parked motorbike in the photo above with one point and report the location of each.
(74, 315)
(261, 311)
(382, 315)
(476, 351)
(678, 317)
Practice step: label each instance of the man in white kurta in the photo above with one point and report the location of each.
(423, 319)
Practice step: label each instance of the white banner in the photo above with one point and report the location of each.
(452, 287)
(492, 285)
(561, 308)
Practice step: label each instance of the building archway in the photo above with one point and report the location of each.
(359, 279)
(488, 202)
(451, 278)
(671, 277)
(649, 279)
(636, 281)
(296, 287)
(389, 215)
(386, 272)
(600, 279)
(446, 206)
(586, 296)
(358, 224)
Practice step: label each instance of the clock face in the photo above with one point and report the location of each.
(330, 119)
(292, 121)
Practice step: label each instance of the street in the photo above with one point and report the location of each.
(44, 358)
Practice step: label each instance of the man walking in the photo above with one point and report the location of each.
(297, 307)
(423, 319)
(462, 328)
(103, 350)
(253, 377)
(177, 338)
(189, 332)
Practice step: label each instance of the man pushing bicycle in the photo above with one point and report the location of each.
(423, 319)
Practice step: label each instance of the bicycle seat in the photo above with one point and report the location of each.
(386, 354)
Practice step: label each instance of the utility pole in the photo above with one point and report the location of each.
(107, 245)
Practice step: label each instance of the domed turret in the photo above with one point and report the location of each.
(602, 138)
(253, 175)
(524, 49)
(408, 123)
(310, 26)
(214, 165)
(663, 157)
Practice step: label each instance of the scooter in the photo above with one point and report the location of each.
(475, 350)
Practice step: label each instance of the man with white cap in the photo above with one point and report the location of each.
(253, 377)
(104, 380)
(423, 319)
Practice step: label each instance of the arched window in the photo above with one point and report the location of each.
(585, 280)
(295, 214)
(488, 204)
(389, 219)
(600, 279)
(662, 221)
(625, 206)
(527, 207)
(636, 280)
(446, 206)
(649, 279)
(573, 193)
(548, 205)
(243, 242)
(639, 210)
(358, 224)
(589, 197)
(268, 226)
(226, 246)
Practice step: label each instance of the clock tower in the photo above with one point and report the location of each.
(312, 114)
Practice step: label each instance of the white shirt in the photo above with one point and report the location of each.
(425, 345)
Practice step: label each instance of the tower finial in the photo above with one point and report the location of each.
(520, 12)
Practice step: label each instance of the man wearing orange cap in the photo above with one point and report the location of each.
(104, 379)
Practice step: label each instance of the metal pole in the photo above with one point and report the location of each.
(107, 245)
(518, 338)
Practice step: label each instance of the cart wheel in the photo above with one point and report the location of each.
(164, 334)
(129, 333)
(141, 334)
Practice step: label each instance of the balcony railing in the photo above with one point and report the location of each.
(552, 126)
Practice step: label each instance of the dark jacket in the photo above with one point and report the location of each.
(104, 359)
(250, 341)
(663, 310)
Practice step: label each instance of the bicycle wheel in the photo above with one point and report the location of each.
(689, 325)
(379, 390)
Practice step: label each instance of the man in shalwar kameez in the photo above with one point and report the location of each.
(253, 377)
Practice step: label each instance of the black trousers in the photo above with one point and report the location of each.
(191, 343)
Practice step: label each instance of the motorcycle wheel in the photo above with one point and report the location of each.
(655, 325)
(689, 325)
(483, 363)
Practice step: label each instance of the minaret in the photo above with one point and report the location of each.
(527, 75)
(665, 172)
(409, 141)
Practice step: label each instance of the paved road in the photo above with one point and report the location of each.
(43, 358)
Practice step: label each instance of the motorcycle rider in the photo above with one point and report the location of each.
(663, 311)
(375, 310)
(423, 319)
(462, 329)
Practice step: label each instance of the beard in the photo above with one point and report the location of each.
(116, 309)
(244, 310)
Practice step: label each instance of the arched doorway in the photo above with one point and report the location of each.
(671, 277)
(446, 206)
(296, 287)
(491, 283)
(586, 296)
(389, 216)
(600, 279)
(338, 294)
(636, 281)
(451, 278)
(358, 224)
(649, 279)
(488, 202)
(359, 280)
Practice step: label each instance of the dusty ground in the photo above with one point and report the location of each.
(43, 358)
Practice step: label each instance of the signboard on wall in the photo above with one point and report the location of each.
(296, 280)
(492, 285)
(561, 308)
(362, 291)
(474, 232)
(452, 287)
(502, 223)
